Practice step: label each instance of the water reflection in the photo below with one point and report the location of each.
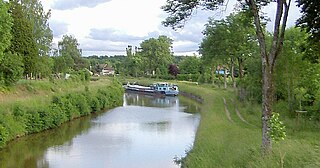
(29, 151)
(146, 132)
(149, 100)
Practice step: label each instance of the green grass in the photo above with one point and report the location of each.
(221, 143)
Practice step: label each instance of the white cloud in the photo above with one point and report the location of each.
(71, 4)
(59, 28)
(108, 26)
(110, 34)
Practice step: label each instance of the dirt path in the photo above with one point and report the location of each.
(227, 111)
(238, 113)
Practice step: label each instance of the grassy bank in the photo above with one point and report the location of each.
(229, 134)
(232, 142)
(34, 106)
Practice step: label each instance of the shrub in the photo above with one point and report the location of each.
(46, 119)
(3, 135)
(102, 98)
(95, 104)
(57, 114)
(34, 123)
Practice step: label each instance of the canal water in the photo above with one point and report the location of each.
(146, 132)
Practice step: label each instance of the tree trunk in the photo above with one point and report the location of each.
(232, 75)
(242, 94)
(266, 79)
(241, 70)
(267, 99)
(225, 78)
(212, 74)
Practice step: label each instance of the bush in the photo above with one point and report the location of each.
(3, 135)
(34, 123)
(188, 77)
(57, 115)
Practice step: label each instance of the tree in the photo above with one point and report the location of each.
(41, 31)
(173, 70)
(157, 54)
(68, 49)
(23, 42)
(190, 65)
(11, 68)
(229, 42)
(134, 65)
(44, 66)
(179, 11)
(310, 21)
(5, 28)
(291, 68)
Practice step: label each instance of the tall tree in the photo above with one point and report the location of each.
(68, 49)
(180, 10)
(310, 21)
(157, 53)
(38, 18)
(10, 64)
(23, 42)
(291, 68)
(190, 65)
(229, 41)
(5, 28)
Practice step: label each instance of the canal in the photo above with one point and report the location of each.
(145, 132)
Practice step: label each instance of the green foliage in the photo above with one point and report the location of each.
(39, 19)
(277, 128)
(157, 54)
(190, 65)
(11, 69)
(22, 42)
(34, 123)
(70, 55)
(44, 66)
(3, 135)
(5, 28)
(26, 119)
(188, 77)
(310, 17)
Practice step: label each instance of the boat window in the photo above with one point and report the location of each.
(164, 88)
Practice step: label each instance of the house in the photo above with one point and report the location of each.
(107, 70)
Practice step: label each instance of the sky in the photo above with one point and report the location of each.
(107, 27)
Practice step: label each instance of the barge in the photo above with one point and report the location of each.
(160, 88)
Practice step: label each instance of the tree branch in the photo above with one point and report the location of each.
(283, 28)
(259, 31)
(275, 40)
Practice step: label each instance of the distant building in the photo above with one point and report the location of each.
(107, 70)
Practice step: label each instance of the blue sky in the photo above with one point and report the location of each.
(107, 27)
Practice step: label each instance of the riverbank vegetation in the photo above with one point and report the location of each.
(45, 105)
(235, 141)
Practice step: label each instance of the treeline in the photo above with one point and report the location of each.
(25, 45)
(231, 43)
(21, 118)
(230, 57)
